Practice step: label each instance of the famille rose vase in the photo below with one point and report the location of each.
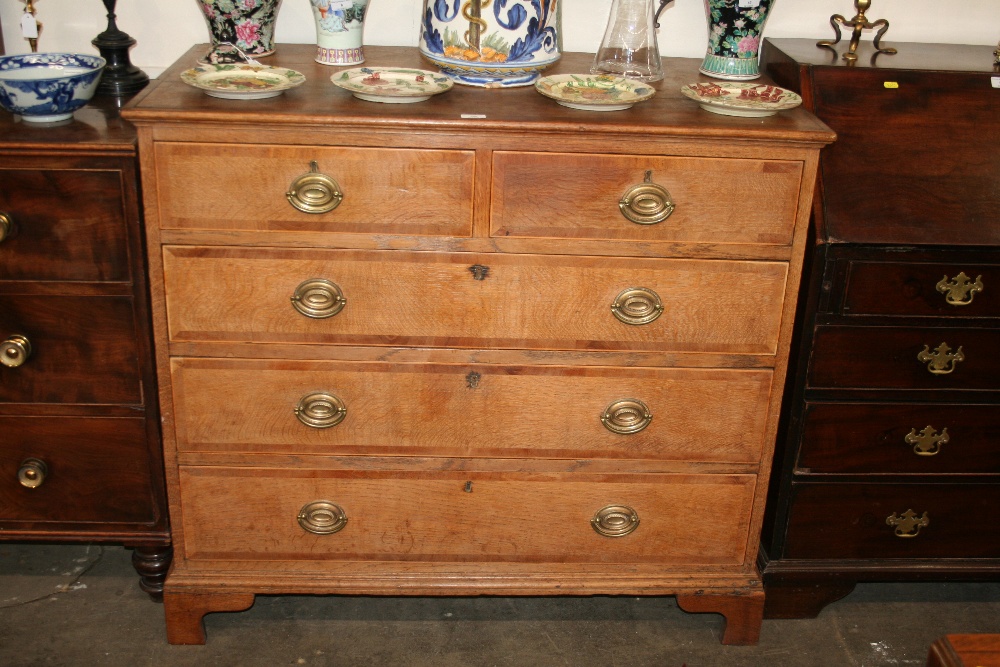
(340, 25)
(491, 43)
(247, 24)
(734, 33)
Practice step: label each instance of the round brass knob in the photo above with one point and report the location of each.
(15, 351)
(628, 415)
(318, 298)
(647, 203)
(637, 305)
(322, 517)
(32, 473)
(314, 192)
(615, 521)
(320, 410)
(6, 227)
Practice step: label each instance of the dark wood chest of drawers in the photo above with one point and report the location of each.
(887, 460)
(80, 455)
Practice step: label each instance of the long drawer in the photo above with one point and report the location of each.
(884, 521)
(473, 300)
(246, 187)
(900, 438)
(96, 470)
(83, 350)
(470, 410)
(578, 195)
(923, 290)
(917, 358)
(267, 515)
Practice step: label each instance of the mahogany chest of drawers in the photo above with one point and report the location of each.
(481, 345)
(80, 453)
(887, 454)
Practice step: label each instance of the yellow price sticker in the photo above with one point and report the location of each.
(891, 84)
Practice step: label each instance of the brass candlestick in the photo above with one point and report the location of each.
(857, 24)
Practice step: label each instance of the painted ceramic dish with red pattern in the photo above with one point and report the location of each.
(594, 92)
(392, 85)
(242, 81)
(752, 100)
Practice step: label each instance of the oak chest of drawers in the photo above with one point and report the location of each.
(888, 459)
(424, 350)
(80, 453)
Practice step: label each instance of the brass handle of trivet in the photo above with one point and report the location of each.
(314, 192)
(637, 306)
(15, 351)
(960, 290)
(909, 524)
(318, 298)
(615, 521)
(7, 228)
(928, 441)
(942, 360)
(647, 203)
(626, 416)
(322, 517)
(32, 473)
(320, 410)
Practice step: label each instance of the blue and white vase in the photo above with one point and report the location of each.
(734, 35)
(491, 43)
(340, 26)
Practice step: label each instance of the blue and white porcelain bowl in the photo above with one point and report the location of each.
(48, 87)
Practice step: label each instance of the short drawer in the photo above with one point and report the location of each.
(245, 513)
(923, 290)
(900, 438)
(245, 187)
(564, 195)
(469, 410)
(474, 300)
(95, 470)
(836, 521)
(917, 358)
(83, 350)
(67, 225)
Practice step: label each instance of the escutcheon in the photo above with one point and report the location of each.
(322, 517)
(909, 524)
(615, 521)
(960, 290)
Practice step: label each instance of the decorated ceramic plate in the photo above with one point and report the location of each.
(741, 99)
(391, 85)
(242, 81)
(594, 92)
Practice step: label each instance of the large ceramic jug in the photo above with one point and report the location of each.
(734, 34)
(491, 43)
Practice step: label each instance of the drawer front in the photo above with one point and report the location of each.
(470, 410)
(923, 290)
(83, 350)
(68, 225)
(862, 521)
(900, 438)
(464, 516)
(904, 358)
(385, 191)
(473, 300)
(562, 195)
(96, 470)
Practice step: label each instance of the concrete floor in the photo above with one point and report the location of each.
(81, 605)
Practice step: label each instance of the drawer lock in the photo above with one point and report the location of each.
(15, 351)
(646, 203)
(32, 473)
(960, 290)
(322, 517)
(318, 299)
(626, 416)
(314, 192)
(320, 410)
(942, 361)
(615, 521)
(909, 524)
(928, 442)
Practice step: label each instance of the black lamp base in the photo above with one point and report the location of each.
(120, 77)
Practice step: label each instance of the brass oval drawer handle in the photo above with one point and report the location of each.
(318, 298)
(322, 517)
(320, 410)
(646, 203)
(7, 228)
(960, 290)
(32, 473)
(909, 524)
(314, 192)
(928, 442)
(626, 416)
(942, 361)
(15, 351)
(615, 521)
(637, 305)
